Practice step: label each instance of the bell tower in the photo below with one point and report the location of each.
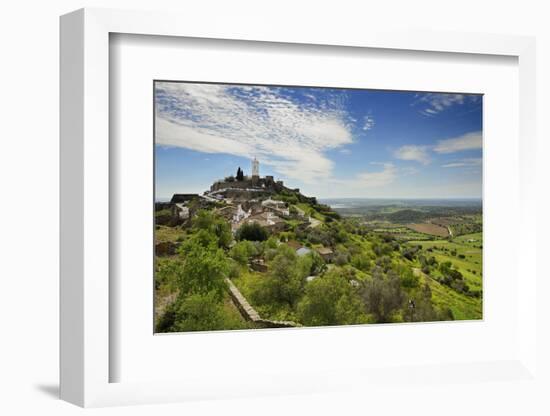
(255, 167)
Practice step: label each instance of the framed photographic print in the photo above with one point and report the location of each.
(280, 212)
(279, 206)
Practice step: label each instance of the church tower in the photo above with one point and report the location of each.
(255, 167)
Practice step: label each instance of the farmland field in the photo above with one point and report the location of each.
(428, 228)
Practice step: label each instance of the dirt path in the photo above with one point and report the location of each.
(313, 222)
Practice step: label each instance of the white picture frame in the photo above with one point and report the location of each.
(85, 220)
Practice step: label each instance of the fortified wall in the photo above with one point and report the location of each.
(249, 182)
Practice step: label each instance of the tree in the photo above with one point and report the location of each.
(408, 278)
(252, 232)
(318, 265)
(271, 243)
(383, 296)
(330, 300)
(423, 310)
(204, 271)
(240, 174)
(445, 267)
(341, 258)
(289, 278)
(284, 284)
(198, 312)
(210, 222)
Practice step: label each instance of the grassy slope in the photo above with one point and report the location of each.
(463, 307)
(310, 211)
(164, 233)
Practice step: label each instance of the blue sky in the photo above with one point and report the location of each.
(330, 143)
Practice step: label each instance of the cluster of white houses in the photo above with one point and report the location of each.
(247, 199)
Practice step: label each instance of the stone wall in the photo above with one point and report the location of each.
(250, 314)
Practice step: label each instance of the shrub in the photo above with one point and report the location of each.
(361, 261)
(383, 296)
(252, 232)
(204, 271)
(410, 252)
(209, 222)
(243, 251)
(330, 300)
(341, 258)
(408, 278)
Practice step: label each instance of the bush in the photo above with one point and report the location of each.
(408, 278)
(317, 263)
(341, 258)
(243, 251)
(330, 300)
(209, 222)
(410, 252)
(383, 296)
(361, 261)
(234, 270)
(252, 232)
(422, 309)
(204, 271)
(167, 274)
(270, 254)
(289, 278)
(271, 243)
(198, 312)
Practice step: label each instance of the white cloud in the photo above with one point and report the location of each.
(172, 134)
(386, 176)
(434, 103)
(365, 180)
(463, 163)
(368, 123)
(468, 141)
(413, 152)
(253, 121)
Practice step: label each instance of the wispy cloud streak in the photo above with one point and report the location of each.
(267, 122)
(414, 153)
(468, 141)
(431, 104)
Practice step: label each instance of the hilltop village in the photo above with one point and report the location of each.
(243, 199)
(251, 252)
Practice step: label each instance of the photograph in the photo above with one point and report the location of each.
(279, 206)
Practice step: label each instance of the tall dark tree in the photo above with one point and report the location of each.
(240, 174)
